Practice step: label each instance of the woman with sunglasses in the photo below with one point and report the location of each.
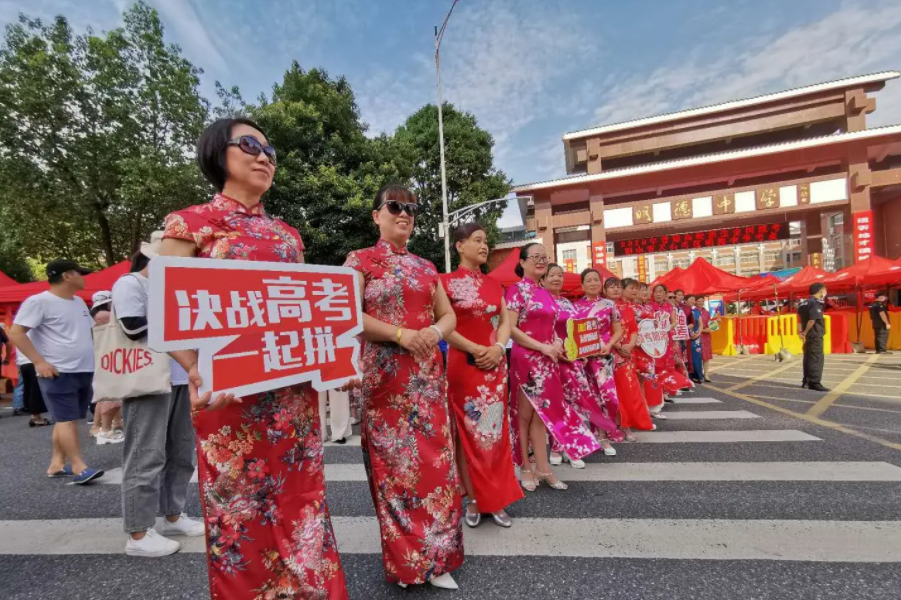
(259, 457)
(537, 401)
(577, 388)
(671, 378)
(600, 368)
(633, 408)
(407, 445)
(477, 381)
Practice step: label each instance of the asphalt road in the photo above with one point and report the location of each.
(784, 503)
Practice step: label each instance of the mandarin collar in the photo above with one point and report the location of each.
(387, 246)
(476, 273)
(529, 282)
(223, 202)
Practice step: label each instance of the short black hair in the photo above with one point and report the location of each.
(590, 270)
(611, 281)
(630, 281)
(816, 287)
(464, 232)
(552, 266)
(212, 146)
(138, 262)
(660, 285)
(690, 296)
(523, 255)
(679, 292)
(393, 191)
(55, 279)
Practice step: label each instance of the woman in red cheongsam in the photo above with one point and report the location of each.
(633, 410)
(260, 464)
(644, 363)
(408, 449)
(477, 381)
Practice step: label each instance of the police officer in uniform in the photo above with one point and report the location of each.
(813, 328)
(881, 324)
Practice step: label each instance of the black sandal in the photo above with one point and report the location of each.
(41, 423)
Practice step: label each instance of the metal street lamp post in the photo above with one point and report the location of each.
(439, 34)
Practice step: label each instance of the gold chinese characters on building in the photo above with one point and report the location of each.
(724, 204)
(682, 209)
(803, 194)
(767, 198)
(641, 214)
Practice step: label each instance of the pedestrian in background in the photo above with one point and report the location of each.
(61, 348)
(881, 324)
(813, 328)
(158, 456)
(107, 412)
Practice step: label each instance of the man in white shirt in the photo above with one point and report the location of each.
(61, 347)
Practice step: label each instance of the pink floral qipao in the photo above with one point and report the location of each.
(538, 377)
(600, 369)
(260, 462)
(408, 450)
(578, 388)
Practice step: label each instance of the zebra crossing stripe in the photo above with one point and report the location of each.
(686, 539)
(704, 415)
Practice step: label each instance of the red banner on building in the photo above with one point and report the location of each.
(570, 265)
(864, 239)
(257, 326)
(750, 234)
(600, 254)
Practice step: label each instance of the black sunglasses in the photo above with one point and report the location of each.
(252, 146)
(395, 208)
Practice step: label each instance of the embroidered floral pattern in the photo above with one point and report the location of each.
(408, 450)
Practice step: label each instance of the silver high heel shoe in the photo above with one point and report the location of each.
(546, 477)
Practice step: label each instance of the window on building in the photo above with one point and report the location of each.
(725, 260)
(772, 256)
(681, 262)
(750, 259)
(569, 254)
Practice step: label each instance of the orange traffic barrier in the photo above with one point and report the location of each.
(840, 342)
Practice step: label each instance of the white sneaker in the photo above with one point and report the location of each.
(109, 437)
(183, 526)
(556, 458)
(152, 545)
(658, 415)
(444, 581)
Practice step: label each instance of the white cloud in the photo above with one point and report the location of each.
(854, 40)
(500, 60)
(181, 18)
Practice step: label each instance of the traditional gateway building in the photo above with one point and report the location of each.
(754, 185)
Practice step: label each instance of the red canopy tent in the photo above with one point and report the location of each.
(505, 274)
(95, 282)
(669, 276)
(875, 271)
(6, 280)
(703, 278)
(768, 287)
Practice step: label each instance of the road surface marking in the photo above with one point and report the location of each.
(730, 436)
(711, 414)
(826, 401)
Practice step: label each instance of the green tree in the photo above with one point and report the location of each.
(96, 136)
(471, 174)
(328, 171)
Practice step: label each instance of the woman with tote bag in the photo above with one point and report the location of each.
(159, 436)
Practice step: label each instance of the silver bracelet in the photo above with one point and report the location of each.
(502, 346)
(438, 329)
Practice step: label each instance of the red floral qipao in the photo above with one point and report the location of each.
(706, 339)
(579, 389)
(633, 409)
(260, 462)
(645, 364)
(408, 450)
(538, 377)
(668, 375)
(479, 397)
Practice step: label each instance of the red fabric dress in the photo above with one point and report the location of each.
(645, 364)
(478, 397)
(706, 339)
(408, 449)
(260, 463)
(633, 409)
(670, 378)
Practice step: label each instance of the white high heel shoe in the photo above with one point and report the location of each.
(445, 582)
(576, 464)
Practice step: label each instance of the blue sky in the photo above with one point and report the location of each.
(530, 70)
